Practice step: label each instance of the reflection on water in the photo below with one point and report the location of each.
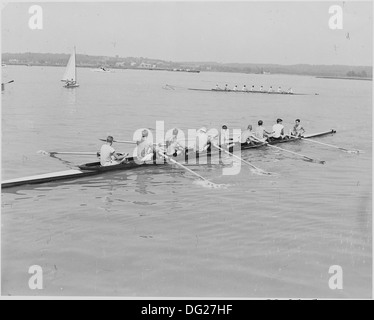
(71, 100)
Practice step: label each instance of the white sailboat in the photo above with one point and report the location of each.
(70, 75)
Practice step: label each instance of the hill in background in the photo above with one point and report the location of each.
(50, 59)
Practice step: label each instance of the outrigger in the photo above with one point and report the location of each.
(94, 168)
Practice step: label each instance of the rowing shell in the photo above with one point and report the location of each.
(94, 168)
(248, 91)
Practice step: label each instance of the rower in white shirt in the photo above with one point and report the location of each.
(224, 136)
(202, 140)
(108, 156)
(248, 136)
(278, 130)
(174, 147)
(260, 132)
(145, 150)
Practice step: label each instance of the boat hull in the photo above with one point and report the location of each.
(240, 91)
(94, 168)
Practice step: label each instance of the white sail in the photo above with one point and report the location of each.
(70, 72)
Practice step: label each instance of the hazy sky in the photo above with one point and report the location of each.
(254, 32)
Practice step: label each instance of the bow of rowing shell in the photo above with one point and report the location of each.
(95, 168)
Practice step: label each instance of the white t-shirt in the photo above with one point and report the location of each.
(106, 153)
(144, 148)
(201, 141)
(277, 128)
(225, 136)
(260, 132)
(246, 134)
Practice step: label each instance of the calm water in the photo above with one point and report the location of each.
(156, 231)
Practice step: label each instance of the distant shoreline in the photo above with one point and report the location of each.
(188, 70)
(345, 78)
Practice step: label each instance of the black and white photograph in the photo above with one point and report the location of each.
(186, 150)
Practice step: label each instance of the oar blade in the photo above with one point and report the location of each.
(44, 153)
(313, 160)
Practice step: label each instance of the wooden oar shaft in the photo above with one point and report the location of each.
(233, 155)
(73, 153)
(329, 145)
(121, 141)
(295, 153)
(182, 166)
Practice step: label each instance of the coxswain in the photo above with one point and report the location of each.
(260, 133)
(145, 150)
(108, 156)
(278, 130)
(297, 130)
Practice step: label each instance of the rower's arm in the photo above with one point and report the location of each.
(117, 156)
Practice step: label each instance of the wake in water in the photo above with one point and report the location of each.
(261, 172)
(210, 185)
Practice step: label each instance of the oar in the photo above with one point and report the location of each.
(182, 166)
(244, 161)
(9, 82)
(51, 153)
(126, 141)
(119, 141)
(297, 154)
(332, 146)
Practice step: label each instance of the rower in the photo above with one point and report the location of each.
(260, 133)
(278, 130)
(289, 91)
(247, 136)
(224, 136)
(226, 87)
(279, 90)
(253, 88)
(202, 140)
(145, 150)
(108, 156)
(244, 88)
(217, 87)
(235, 88)
(261, 88)
(271, 89)
(174, 148)
(297, 130)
